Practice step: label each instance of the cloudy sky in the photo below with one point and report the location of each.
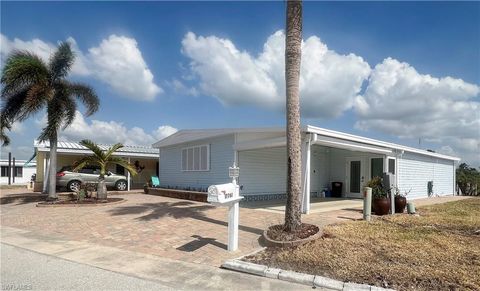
(403, 72)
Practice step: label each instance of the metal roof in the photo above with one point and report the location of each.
(184, 136)
(76, 148)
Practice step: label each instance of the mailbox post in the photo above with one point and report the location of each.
(228, 195)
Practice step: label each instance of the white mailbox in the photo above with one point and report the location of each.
(228, 195)
(222, 193)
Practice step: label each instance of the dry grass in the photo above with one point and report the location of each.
(438, 250)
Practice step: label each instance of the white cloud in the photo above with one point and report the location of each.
(400, 101)
(117, 61)
(41, 48)
(21, 152)
(18, 127)
(110, 132)
(180, 88)
(163, 131)
(329, 81)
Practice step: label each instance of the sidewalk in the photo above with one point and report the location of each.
(172, 273)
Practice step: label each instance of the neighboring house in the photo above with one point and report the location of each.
(195, 159)
(21, 174)
(145, 158)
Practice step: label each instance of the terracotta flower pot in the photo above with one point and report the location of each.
(400, 203)
(381, 206)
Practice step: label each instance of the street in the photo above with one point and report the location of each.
(26, 270)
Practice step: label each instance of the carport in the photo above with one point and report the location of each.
(144, 158)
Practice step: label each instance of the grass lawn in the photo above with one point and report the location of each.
(437, 250)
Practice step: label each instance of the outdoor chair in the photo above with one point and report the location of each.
(155, 182)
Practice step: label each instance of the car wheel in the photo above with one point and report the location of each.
(74, 186)
(121, 185)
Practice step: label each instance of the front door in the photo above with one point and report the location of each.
(354, 177)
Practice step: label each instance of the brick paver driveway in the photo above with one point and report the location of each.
(172, 228)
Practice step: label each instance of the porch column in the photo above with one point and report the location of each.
(46, 166)
(128, 177)
(306, 174)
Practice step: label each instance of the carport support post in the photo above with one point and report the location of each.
(46, 166)
(306, 174)
(128, 177)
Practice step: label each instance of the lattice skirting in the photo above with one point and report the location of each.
(267, 196)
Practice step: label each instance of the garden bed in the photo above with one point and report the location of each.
(437, 250)
(84, 202)
(179, 194)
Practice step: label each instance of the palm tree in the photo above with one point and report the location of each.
(31, 85)
(103, 160)
(4, 125)
(293, 53)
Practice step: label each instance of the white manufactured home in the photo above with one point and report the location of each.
(20, 173)
(196, 159)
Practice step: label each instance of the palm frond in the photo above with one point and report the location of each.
(55, 117)
(70, 108)
(37, 96)
(61, 61)
(97, 151)
(13, 106)
(124, 163)
(85, 161)
(22, 69)
(87, 95)
(4, 126)
(113, 149)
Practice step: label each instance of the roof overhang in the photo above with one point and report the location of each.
(191, 135)
(348, 145)
(372, 142)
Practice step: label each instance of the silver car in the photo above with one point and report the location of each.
(72, 180)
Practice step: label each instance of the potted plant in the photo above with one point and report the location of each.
(145, 187)
(400, 200)
(381, 203)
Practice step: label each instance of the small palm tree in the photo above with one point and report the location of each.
(30, 85)
(293, 54)
(103, 160)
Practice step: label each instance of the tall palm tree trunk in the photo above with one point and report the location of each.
(52, 172)
(293, 52)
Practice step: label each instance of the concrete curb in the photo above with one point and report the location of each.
(296, 277)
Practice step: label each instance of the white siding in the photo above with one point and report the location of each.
(319, 169)
(27, 173)
(443, 177)
(414, 172)
(221, 157)
(263, 171)
(338, 166)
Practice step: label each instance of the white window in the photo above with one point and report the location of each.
(196, 158)
(391, 166)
